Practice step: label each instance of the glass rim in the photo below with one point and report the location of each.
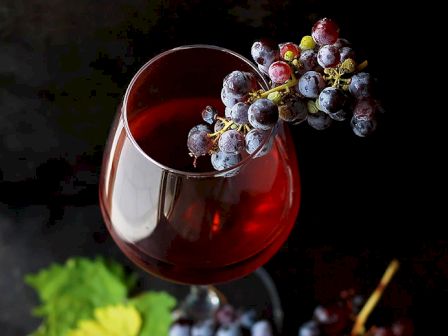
(214, 173)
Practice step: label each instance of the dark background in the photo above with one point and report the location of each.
(63, 69)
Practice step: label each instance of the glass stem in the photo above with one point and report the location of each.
(202, 302)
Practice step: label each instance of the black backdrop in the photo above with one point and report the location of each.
(63, 68)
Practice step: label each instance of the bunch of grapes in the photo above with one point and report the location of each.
(317, 80)
(227, 321)
(337, 319)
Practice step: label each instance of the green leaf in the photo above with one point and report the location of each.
(155, 309)
(72, 291)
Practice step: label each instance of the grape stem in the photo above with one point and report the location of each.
(292, 82)
(361, 318)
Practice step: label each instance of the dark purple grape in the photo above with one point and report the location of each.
(231, 141)
(262, 328)
(221, 160)
(325, 31)
(328, 56)
(199, 143)
(229, 99)
(209, 114)
(361, 85)
(332, 100)
(311, 84)
(308, 59)
(341, 43)
(263, 114)
(310, 328)
(200, 127)
(179, 330)
(264, 53)
(204, 328)
(240, 83)
(293, 110)
(254, 139)
(238, 113)
(363, 122)
(345, 53)
(319, 120)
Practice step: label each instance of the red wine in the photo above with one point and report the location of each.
(204, 230)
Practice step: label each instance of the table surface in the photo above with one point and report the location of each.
(65, 65)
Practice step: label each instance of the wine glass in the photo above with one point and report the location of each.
(184, 224)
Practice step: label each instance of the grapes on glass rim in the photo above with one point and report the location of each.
(315, 79)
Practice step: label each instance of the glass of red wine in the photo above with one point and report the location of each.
(186, 224)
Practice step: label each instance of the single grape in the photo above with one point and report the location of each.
(311, 84)
(279, 72)
(328, 56)
(342, 42)
(203, 328)
(254, 139)
(264, 53)
(240, 83)
(345, 53)
(238, 113)
(221, 160)
(310, 328)
(263, 114)
(231, 141)
(289, 51)
(308, 60)
(319, 120)
(179, 330)
(229, 99)
(325, 31)
(209, 114)
(200, 127)
(332, 100)
(231, 330)
(363, 121)
(293, 110)
(262, 328)
(361, 85)
(199, 143)
(307, 43)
